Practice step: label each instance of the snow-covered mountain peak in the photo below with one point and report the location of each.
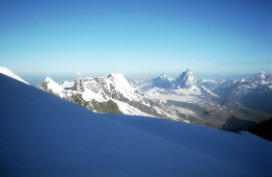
(119, 80)
(162, 81)
(186, 79)
(51, 86)
(113, 86)
(48, 79)
(257, 79)
(8, 73)
(110, 93)
(118, 83)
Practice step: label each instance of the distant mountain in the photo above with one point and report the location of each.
(202, 102)
(108, 94)
(162, 82)
(185, 84)
(185, 80)
(8, 73)
(183, 99)
(103, 88)
(229, 105)
(254, 91)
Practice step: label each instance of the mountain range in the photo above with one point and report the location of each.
(232, 105)
(228, 105)
(44, 135)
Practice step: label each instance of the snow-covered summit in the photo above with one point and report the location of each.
(186, 79)
(110, 93)
(107, 87)
(51, 86)
(248, 84)
(260, 78)
(184, 84)
(162, 81)
(120, 84)
(8, 73)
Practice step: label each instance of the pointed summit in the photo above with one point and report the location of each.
(186, 79)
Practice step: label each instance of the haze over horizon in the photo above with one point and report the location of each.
(136, 37)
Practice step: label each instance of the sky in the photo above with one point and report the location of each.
(136, 37)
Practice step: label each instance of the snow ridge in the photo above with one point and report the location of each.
(8, 73)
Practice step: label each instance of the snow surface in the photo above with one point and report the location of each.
(208, 81)
(130, 110)
(43, 135)
(8, 73)
(182, 95)
(192, 90)
(208, 91)
(67, 85)
(89, 95)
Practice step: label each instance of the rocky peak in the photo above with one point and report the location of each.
(161, 81)
(186, 79)
(51, 86)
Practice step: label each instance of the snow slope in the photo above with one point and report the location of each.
(8, 73)
(130, 110)
(43, 135)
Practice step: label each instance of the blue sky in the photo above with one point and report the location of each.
(136, 37)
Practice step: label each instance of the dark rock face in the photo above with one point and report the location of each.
(105, 107)
(234, 124)
(263, 129)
